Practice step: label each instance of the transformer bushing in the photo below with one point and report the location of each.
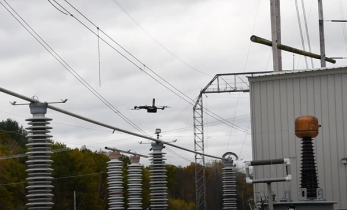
(39, 163)
(158, 178)
(134, 185)
(115, 181)
(309, 178)
(229, 185)
(306, 127)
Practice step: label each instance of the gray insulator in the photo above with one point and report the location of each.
(135, 186)
(115, 184)
(229, 186)
(39, 164)
(158, 178)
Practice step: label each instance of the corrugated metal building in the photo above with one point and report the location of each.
(276, 100)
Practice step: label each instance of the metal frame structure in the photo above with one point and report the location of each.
(268, 181)
(221, 83)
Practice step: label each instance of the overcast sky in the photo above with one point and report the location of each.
(184, 42)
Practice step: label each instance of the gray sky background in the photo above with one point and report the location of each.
(209, 36)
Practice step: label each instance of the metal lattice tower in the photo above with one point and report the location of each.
(158, 178)
(229, 185)
(39, 163)
(135, 186)
(221, 83)
(199, 146)
(115, 181)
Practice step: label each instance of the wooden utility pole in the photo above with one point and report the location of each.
(321, 33)
(276, 34)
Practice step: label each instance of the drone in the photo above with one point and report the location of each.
(150, 109)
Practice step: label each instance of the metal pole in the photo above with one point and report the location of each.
(269, 194)
(276, 33)
(321, 33)
(74, 200)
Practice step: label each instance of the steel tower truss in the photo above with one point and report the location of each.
(221, 83)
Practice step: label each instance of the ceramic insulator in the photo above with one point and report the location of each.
(115, 182)
(135, 186)
(229, 186)
(39, 163)
(158, 178)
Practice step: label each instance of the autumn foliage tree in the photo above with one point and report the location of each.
(84, 172)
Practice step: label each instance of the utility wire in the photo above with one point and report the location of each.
(44, 44)
(179, 94)
(299, 23)
(24, 155)
(307, 33)
(343, 24)
(99, 57)
(64, 177)
(156, 41)
(178, 155)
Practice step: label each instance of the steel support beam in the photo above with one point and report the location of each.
(219, 84)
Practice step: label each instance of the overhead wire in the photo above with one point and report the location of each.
(179, 93)
(300, 29)
(244, 69)
(64, 177)
(307, 32)
(45, 45)
(156, 41)
(99, 57)
(178, 155)
(122, 139)
(343, 24)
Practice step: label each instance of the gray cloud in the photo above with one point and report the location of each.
(211, 36)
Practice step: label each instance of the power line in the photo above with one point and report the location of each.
(156, 41)
(65, 177)
(185, 98)
(301, 35)
(24, 155)
(68, 67)
(178, 155)
(307, 33)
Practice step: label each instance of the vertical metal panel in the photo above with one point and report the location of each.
(275, 105)
(291, 138)
(296, 141)
(332, 137)
(340, 139)
(280, 172)
(284, 129)
(319, 140)
(256, 130)
(272, 172)
(344, 114)
(265, 128)
(324, 133)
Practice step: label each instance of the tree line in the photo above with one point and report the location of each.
(84, 172)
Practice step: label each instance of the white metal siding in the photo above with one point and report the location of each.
(276, 101)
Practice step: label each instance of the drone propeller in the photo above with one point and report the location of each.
(163, 107)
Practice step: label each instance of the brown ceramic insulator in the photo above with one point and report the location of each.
(306, 126)
(114, 155)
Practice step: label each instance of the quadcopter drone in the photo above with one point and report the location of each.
(150, 109)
